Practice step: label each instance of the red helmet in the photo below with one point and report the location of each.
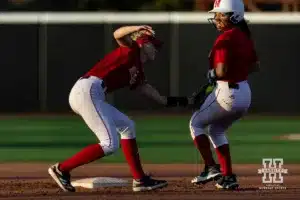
(149, 38)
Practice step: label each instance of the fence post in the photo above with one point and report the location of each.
(108, 46)
(42, 67)
(174, 56)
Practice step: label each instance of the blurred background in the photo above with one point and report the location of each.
(49, 57)
(40, 62)
(137, 5)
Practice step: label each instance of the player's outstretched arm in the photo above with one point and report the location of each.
(122, 34)
(169, 101)
(150, 92)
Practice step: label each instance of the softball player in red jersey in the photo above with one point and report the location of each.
(232, 59)
(120, 68)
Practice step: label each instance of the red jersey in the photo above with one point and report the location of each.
(118, 68)
(236, 50)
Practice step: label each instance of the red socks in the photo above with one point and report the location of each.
(86, 155)
(224, 159)
(131, 153)
(94, 152)
(203, 145)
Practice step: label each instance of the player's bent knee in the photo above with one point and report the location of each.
(128, 132)
(195, 128)
(109, 147)
(218, 139)
(196, 131)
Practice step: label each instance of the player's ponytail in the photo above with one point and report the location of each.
(243, 25)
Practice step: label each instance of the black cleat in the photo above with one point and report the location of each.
(61, 178)
(227, 183)
(210, 173)
(147, 183)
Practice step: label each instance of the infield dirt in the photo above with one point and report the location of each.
(31, 181)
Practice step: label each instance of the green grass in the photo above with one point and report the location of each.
(161, 139)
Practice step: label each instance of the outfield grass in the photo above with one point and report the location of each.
(163, 139)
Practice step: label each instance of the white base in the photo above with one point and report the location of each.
(98, 182)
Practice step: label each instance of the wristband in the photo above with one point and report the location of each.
(212, 74)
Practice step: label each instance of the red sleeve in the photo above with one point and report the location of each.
(221, 52)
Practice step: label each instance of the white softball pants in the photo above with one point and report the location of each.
(87, 99)
(219, 111)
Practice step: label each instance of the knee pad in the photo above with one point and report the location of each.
(110, 146)
(217, 136)
(196, 128)
(128, 131)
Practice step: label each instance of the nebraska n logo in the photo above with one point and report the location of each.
(217, 3)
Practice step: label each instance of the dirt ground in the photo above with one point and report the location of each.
(31, 181)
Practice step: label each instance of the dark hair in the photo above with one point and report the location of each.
(243, 25)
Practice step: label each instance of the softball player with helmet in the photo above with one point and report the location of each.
(123, 67)
(232, 59)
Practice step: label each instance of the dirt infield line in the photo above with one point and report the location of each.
(39, 170)
(25, 181)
